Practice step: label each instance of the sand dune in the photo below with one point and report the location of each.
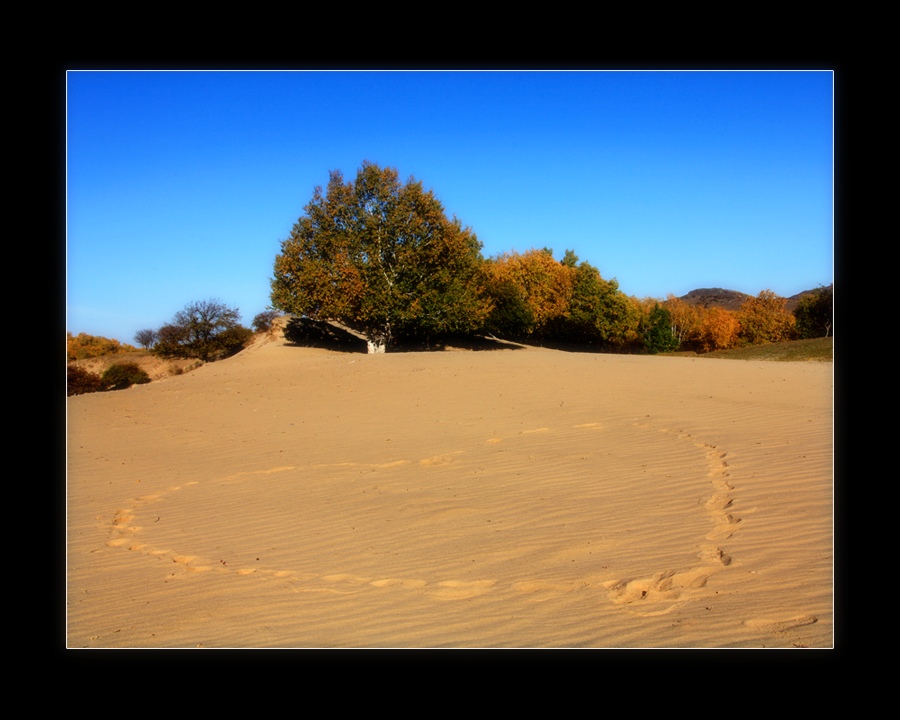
(301, 498)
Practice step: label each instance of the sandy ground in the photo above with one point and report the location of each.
(303, 498)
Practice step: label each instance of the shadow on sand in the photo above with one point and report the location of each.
(304, 332)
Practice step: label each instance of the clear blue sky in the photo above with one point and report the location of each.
(182, 185)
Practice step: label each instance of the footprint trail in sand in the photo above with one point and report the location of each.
(655, 592)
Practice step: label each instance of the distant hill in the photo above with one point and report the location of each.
(731, 299)
(716, 297)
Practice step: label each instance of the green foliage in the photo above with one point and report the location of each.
(815, 350)
(815, 313)
(570, 259)
(123, 375)
(533, 295)
(510, 315)
(599, 312)
(233, 340)
(80, 381)
(382, 258)
(529, 294)
(208, 330)
(659, 336)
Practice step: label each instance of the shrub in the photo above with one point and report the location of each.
(208, 330)
(263, 321)
(123, 375)
(233, 340)
(84, 346)
(80, 381)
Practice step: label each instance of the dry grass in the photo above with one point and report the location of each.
(816, 350)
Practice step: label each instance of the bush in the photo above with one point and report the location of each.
(84, 346)
(233, 340)
(208, 330)
(123, 375)
(79, 381)
(263, 321)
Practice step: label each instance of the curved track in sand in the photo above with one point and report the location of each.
(658, 591)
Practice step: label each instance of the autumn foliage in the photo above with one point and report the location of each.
(82, 346)
(536, 297)
(719, 329)
(765, 319)
(382, 258)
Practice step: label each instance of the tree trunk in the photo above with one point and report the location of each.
(376, 343)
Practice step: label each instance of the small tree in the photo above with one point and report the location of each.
(719, 329)
(659, 336)
(207, 329)
(765, 319)
(686, 321)
(145, 338)
(599, 313)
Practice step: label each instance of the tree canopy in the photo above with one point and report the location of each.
(765, 319)
(381, 257)
(206, 329)
(815, 313)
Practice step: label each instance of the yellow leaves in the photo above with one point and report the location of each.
(87, 346)
(765, 318)
(719, 329)
(544, 285)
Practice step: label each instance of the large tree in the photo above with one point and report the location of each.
(815, 313)
(382, 258)
(599, 312)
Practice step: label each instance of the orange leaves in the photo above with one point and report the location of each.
(719, 329)
(539, 283)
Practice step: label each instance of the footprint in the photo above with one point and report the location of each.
(398, 582)
(438, 460)
(460, 590)
(780, 626)
(539, 590)
(346, 578)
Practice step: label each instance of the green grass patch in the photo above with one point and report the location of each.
(816, 350)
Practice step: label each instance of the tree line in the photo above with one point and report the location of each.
(382, 257)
